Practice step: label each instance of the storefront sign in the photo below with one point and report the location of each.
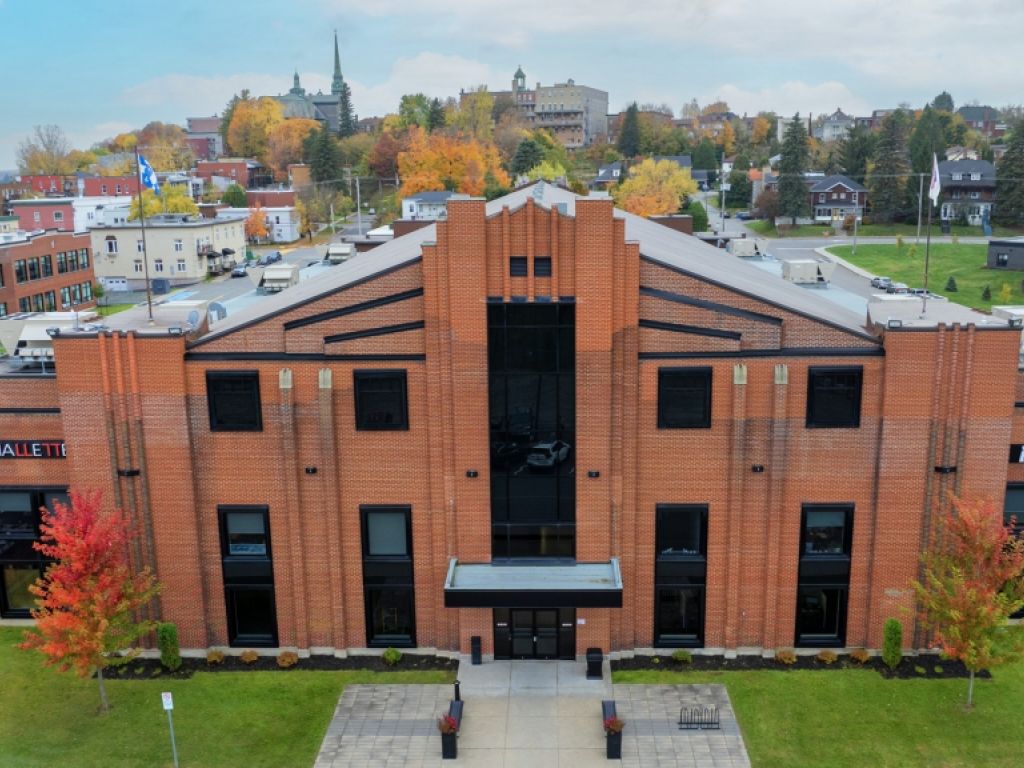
(32, 449)
(1017, 453)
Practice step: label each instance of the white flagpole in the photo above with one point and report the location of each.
(142, 221)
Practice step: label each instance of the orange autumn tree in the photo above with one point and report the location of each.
(89, 596)
(256, 224)
(973, 582)
(436, 162)
(284, 144)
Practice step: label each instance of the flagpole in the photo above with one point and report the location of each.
(142, 221)
(927, 249)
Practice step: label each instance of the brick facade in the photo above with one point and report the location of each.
(938, 397)
(56, 269)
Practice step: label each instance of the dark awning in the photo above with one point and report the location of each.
(570, 585)
(228, 251)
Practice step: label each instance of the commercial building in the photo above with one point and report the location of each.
(44, 272)
(66, 214)
(541, 422)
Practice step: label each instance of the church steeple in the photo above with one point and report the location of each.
(338, 81)
(297, 89)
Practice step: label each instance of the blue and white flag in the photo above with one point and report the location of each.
(148, 175)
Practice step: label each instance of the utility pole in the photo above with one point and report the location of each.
(359, 210)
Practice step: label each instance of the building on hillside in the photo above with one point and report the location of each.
(956, 152)
(834, 127)
(1006, 253)
(282, 221)
(67, 214)
(180, 249)
(874, 121)
(270, 197)
(539, 422)
(204, 138)
(369, 124)
(650, 116)
(608, 175)
(984, 119)
(221, 173)
(105, 186)
(968, 190)
(44, 272)
(428, 205)
(325, 107)
(835, 197)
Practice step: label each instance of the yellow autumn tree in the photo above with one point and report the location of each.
(654, 188)
(284, 144)
(759, 130)
(173, 199)
(728, 139)
(437, 162)
(250, 127)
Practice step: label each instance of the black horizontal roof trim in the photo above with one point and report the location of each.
(298, 357)
(262, 318)
(30, 410)
(691, 329)
(784, 352)
(354, 308)
(710, 305)
(561, 299)
(22, 376)
(384, 330)
(679, 270)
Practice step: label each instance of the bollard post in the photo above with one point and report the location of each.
(457, 696)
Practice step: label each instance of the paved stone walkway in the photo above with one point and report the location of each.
(529, 714)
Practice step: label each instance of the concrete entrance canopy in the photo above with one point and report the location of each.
(572, 585)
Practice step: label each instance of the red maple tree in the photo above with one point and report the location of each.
(973, 582)
(89, 596)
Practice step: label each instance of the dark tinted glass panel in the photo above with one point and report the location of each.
(1014, 505)
(833, 397)
(253, 619)
(380, 400)
(679, 616)
(246, 533)
(517, 266)
(17, 577)
(825, 532)
(386, 534)
(684, 398)
(391, 616)
(17, 517)
(234, 401)
(821, 614)
(542, 266)
(681, 531)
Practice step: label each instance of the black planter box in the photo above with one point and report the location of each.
(450, 747)
(613, 746)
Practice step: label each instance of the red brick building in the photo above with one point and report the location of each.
(540, 422)
(101, 186)
(45, 213)
(45, 272)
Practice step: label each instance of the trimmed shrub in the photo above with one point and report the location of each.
(892, 647)
(920, 670)
(249, 657)
(786, 657)
(682, 657)
(827, 657)
(214, 657)
(986, 295)
(287, 659)
(391, 656)
(951, 284)
(1005, 294)
(860, 656)
(167, 641)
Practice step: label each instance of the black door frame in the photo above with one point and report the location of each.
(564, 633)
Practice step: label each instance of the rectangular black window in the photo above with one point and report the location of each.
(517, 266)
(823, 581)
(248, 568)
(1013, 509)
(234, 401)
(833, 396)
(20, 564)
(387, 576)
(381, 401)
(684, 398)
(680, 574)
(542, 266)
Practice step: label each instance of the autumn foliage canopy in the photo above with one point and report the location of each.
(654, 188)
(438, 162)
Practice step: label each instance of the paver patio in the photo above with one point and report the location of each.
(542, 714)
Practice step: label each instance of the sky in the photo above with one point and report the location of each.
(100, 67)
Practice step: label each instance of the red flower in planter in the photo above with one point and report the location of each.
(447, 724)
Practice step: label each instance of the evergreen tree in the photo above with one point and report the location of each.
(435, 118)
(855, 151)
(1009, 205)
(793, 195)
(321, 153)
(528, 155)
(927, 137)
(704, 157)
(943, 102)
(888, 180)
(629, 136)
(740, 189)
(346, 115)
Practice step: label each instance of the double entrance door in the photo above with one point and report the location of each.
(534, 633)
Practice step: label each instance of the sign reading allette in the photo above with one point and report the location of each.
(32, 449)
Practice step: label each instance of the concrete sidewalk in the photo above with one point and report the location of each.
(534, 714)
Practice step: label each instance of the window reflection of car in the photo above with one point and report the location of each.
(548, 454)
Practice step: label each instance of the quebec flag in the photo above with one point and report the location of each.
(148, 175)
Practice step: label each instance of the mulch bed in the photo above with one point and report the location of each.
(146, 669)
(927, 665)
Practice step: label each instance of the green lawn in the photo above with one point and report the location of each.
(105, 310)
(272, 719)
(964, 262)
(767, 229)
(853, 718)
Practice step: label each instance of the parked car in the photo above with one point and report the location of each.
(265, 260)
(547, 454)
(897, 288)
(275, 256)
(881, 282)
(744, 215)
(239, 271)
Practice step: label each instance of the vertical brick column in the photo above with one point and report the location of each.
(331, 472)
(778, 452)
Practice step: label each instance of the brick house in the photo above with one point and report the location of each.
(541, 422)
(968, 189)
(45, 272)
(835, 197)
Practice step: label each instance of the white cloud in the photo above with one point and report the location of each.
(195, 95)
(789, 98)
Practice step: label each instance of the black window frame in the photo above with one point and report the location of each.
(366, 510)
(387, 573)
(247, 573)
(824, 572)
(679, 572)
(542, 266)
(359, 391)
(518, 266)
(217, 424)
(664, 375)
(817, 420)
(39, 496)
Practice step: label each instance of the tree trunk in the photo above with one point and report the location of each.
(104, 703)
(970, 690)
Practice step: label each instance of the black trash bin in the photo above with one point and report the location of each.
(475, 649)
(595, 658)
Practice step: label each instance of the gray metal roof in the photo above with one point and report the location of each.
(966, 167)
(824, 185)
(657, 242)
